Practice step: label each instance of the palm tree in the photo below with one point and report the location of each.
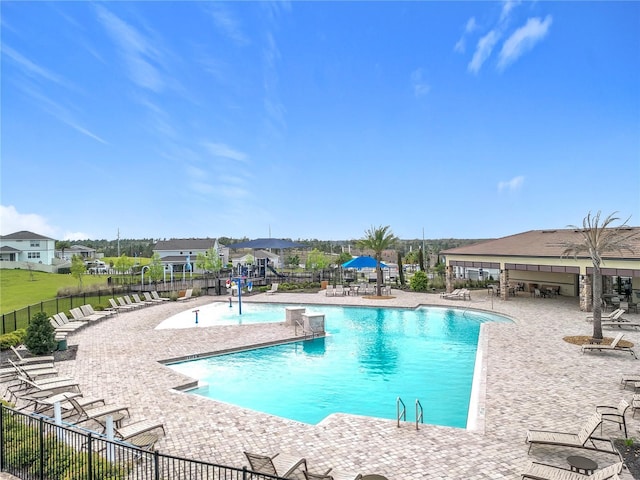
(377, 239)
(598, 238)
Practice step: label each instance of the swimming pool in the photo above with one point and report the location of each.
(370, 357)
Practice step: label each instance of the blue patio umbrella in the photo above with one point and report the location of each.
(362, 262)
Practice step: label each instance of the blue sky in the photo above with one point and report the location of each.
(317, 119)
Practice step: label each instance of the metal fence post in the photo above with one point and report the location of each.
(156, 464)
(89, 457)
(1, 437)
(41, 446)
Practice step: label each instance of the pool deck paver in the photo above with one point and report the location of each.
(533, 379)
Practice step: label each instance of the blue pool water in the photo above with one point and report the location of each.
(370, 357)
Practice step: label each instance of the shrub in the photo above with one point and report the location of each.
(40, 337)
(12, 339)
(419, 282)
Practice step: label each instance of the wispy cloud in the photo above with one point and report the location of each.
(523, 40)
(227, 23)
(419, 84)
(511, 185)
(470, 27)
(507, 7)
(63, 114)
(32, 69)
(138, 52)
(483, 51)
(224, 151)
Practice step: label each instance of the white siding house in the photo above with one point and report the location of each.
(21, 248)
(177, 253)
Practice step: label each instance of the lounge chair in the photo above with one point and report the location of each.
(29, 360)
(616, 314)
(149, 298)
(583, 439)
(131, 303)
(620, 323)
(330, 291)
(541, 471)
(274, 289)
(83, 413)
(453, 293)
(140, 433)
(613, 346)
(280, 465)
(43, 388)
(331, 475)
(187, 295)
(156, 296)
(91, 314)
(45, 404)
(117, 307)
(61, 323)
(137, 299)
(614, 414)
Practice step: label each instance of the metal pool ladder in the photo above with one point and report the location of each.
(401, 412)
(419, 413)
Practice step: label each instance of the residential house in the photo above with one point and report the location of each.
(26, 249)
(179, 254)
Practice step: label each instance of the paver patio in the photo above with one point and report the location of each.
(530, 377)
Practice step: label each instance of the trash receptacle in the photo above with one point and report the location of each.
(324, 284)
(62, 344)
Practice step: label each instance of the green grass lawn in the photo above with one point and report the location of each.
(20, 288)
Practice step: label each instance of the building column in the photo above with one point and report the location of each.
(586, 293)
(504, 284)
(448, 278)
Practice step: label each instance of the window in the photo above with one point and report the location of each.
(33, 255)
(35, 243)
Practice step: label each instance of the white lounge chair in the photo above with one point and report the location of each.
(541, 471)
(616, 314)
(613, 346)
(187, 295)
(274, 289)
(156, 296)
(583, 439)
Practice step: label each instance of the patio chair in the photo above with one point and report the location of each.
(614, 414)
(613, 346)
(452, 294)
(140, 434)
(330, 291)
(128, 301)
(149, 298)
(137, 299)
(84, 413)
(542, 471)
(156, 296)
(616, 314)
(583, 439)
(187, 295)
(274, 289)
(280, 465)
(90, 314)
(117, 307)
(28, 360)
(43, 388)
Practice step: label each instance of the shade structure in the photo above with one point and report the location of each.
(267, 243)
(363, 262)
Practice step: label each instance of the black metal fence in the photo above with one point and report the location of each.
(17, 319)
(33, 447)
